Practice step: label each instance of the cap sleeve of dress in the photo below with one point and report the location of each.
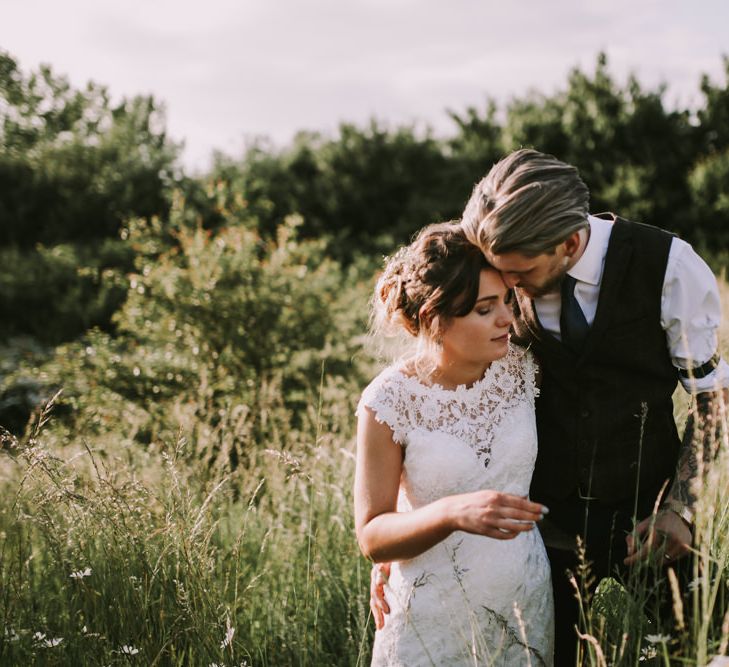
(385, 397)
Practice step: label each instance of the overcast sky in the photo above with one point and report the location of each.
(228, 70)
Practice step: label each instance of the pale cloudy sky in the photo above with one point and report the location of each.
(230, 70)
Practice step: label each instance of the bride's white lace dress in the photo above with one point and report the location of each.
(469, 600)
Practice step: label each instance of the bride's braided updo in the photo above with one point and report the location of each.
(428, 282)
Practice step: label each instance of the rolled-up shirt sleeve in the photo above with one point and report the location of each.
(690, 316)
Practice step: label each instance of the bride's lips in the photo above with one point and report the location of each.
(501, 339)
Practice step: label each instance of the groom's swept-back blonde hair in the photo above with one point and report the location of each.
(528, 203)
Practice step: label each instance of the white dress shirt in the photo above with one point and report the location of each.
(690, 305)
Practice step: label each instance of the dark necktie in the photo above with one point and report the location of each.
(572, 322)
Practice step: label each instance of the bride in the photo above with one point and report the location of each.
(446, 443)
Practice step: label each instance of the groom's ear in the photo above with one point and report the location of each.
(571, 244)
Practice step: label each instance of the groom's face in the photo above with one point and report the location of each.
(536, 276)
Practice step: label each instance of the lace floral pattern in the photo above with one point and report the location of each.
(404, 403)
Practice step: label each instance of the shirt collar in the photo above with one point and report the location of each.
(589, 267)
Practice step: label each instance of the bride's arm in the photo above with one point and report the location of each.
(386, 535)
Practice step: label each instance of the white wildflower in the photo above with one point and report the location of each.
(128, 650)
(11, 635)
(80, 574)
(47, 642)
(229, 632)
(657, 639)
(647, 653)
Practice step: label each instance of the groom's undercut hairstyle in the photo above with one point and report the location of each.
(529, 203)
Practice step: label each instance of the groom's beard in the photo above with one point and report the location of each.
(551, 286)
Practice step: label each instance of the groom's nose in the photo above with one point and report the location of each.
(510, 279)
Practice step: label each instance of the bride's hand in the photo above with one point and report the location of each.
(493, 514)
(378, 578)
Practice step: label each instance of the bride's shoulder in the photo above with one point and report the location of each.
(520, 355)
(521, 363)
(386, 381)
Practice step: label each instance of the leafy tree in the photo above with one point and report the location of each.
(224, 332)
(713, 117)
(365, 189)
(72, 165)
(476, 145)
(632, 152)
(709, 182)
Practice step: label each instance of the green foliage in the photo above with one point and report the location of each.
(710, 198)
(54, 293)
(714, 115)
(74, 168)
(72, 165)
(214, 326)
(633, 154)
(365, 189)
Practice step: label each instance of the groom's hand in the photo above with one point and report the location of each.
(665, 536)
(378, 604)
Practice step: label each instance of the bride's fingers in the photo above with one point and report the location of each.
(520, 503)
(498, 534)
(519, 515)
(377, 615)
(514, 526)
(378, 578)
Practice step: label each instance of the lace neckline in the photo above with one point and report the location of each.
(461, 389)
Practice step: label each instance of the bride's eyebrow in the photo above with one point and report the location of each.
(493, 297)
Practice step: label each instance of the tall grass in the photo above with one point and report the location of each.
(135, 557)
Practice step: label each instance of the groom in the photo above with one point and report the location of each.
(617, 314)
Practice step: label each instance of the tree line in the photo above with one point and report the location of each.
(76, 168)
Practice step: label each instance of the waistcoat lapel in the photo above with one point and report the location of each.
(616, 263)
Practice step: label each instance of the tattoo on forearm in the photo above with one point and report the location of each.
(700, 443)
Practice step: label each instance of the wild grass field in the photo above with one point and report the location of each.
(187, 498)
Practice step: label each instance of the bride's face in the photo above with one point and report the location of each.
(483, 334)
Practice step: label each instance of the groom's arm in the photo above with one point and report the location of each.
(670, 530)
(703, 433)
(690, 316)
